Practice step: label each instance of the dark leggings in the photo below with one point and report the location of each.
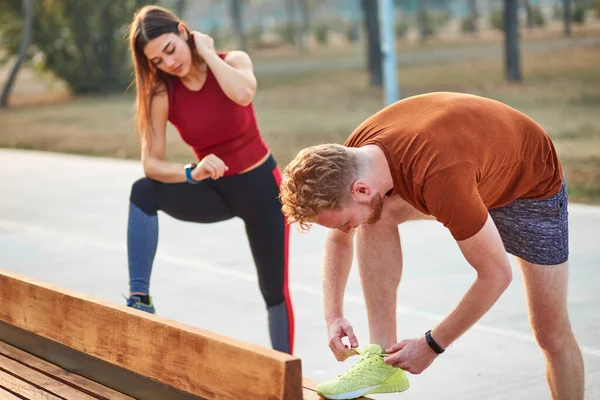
(253, 197)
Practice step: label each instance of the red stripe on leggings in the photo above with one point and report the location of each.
(286, 291)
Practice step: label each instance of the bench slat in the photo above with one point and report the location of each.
(25, 389)
(80, 383)
(6, 395)
(40, 380)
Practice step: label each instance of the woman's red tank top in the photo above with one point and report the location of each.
(211, 123)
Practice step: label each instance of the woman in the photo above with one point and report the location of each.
(207, 96)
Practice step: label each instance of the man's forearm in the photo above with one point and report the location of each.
(478, 300)
(337, 261)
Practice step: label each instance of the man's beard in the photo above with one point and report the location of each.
(376, 205)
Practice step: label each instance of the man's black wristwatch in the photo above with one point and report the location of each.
(432, 343)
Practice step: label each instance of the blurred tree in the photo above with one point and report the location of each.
(511, 41)
(423, 21)
(306, 7)
(290, 13)
(567, 16)
(26, 38)
(370, 10)
(80, 41)
(180, 6)
(528, 13)
(473, 15)
(238, 26)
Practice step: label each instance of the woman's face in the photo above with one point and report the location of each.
(170, 53)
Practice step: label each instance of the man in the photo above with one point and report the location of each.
(491, 175)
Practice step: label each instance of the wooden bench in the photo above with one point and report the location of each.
(59, 344)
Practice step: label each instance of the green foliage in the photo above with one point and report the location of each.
(434, 21)
(286, 33)
(497, 19)
(12, 20)
(537, 16)
(579, 14)
(557, 12)
(321, 33)
(80, 41)
(401, 28)
(255, 34)
(468, 24)
(439, 19)
(579, 10)
(352, 32)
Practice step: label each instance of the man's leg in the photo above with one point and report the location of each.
(546, 288)
(379, 257)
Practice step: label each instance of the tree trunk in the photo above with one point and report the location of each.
(423, 28)
(22, 53)
(528, 13)
(511, 41)
(474, 15)
(370, 11)
(291, 23)
(567, 17)
(236, 18)
(301, 36)
(180, 8)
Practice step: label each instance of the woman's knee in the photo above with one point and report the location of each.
(143, 195)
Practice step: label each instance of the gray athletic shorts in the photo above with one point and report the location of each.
(536, 230)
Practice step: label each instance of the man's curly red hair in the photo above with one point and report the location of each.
(318, 179)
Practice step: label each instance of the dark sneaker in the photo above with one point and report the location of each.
(136, 302)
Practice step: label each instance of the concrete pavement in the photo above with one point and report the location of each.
(63, 221)
(285, 67)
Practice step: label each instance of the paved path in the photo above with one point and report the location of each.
(63, 220)
(417, 57)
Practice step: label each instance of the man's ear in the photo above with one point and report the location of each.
(361, 191)
(183, 31)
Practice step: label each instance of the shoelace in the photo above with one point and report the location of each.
(130, 300)
(366, 358)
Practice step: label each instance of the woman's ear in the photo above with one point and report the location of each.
(183, 31)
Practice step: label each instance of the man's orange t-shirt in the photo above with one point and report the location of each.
(454, 156)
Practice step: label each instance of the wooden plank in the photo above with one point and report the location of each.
(40, 380)
(308, 389)
(25, 389)
(115, 377)
(80, 383)
(194, 360)
(6, 395)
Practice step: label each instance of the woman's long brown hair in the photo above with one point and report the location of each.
(149, 23)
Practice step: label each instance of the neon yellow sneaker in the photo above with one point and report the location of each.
(368, 376)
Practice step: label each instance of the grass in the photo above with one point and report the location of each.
(561, 90)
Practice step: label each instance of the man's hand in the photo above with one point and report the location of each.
(338, 329)
(412, 355)
(204, 43)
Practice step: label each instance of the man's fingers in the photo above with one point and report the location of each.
(338, 353)
(351, 337)
(396, 347)
(336, 345)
